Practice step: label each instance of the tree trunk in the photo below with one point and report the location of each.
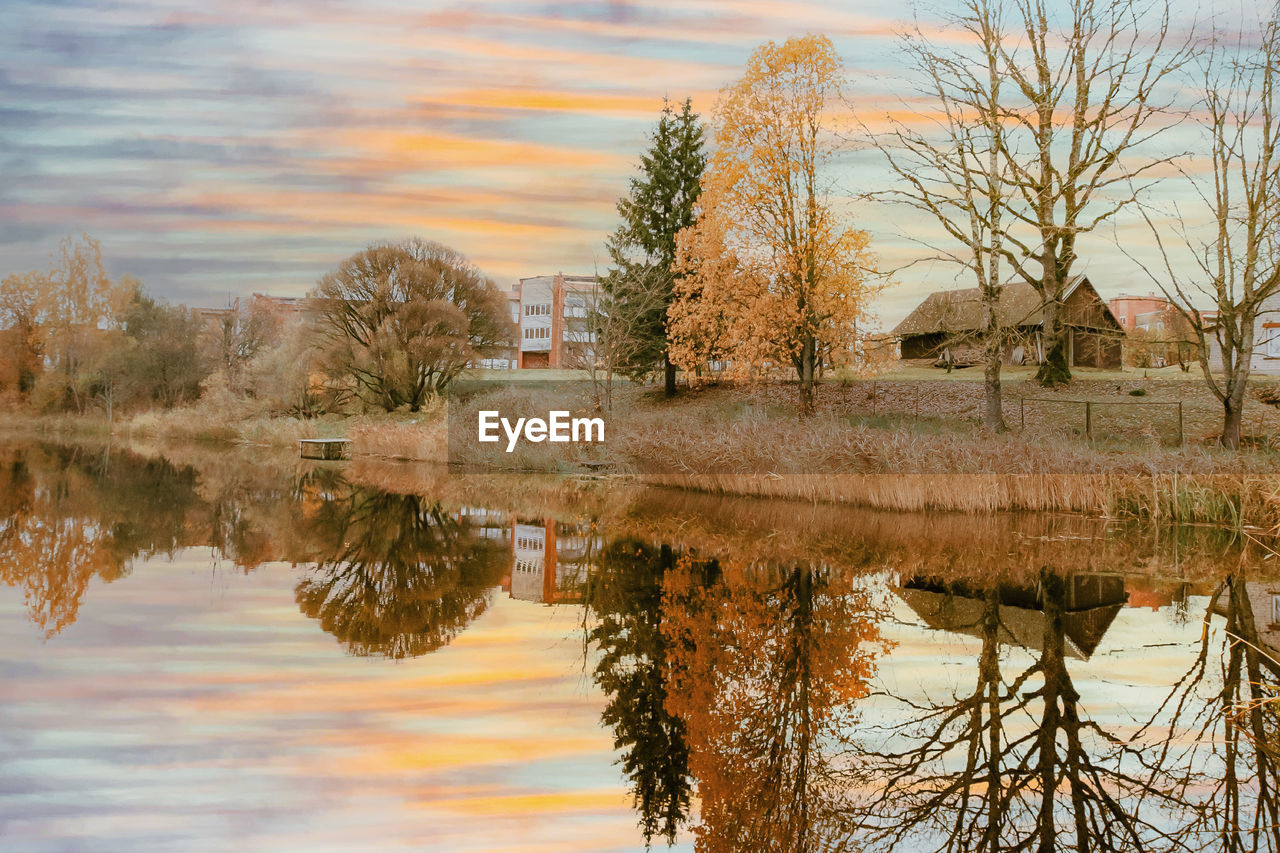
(993, 411)
(1232, 416)
(1055, 369)
(993, 350)
(669, 376)
(806, 376)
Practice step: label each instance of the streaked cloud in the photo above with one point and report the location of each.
(227, 146)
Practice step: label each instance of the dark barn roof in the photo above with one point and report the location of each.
(953, 311)
(1019, 626)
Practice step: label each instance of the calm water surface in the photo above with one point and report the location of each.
(203, 653)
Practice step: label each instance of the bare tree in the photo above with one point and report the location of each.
(617, 329)
(1236, 267)
(954, 170)
(1090, 106)
(1046, 130)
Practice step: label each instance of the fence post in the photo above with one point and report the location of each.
(1022, 407)
(1088, 420)
(917, 399)
(1181, 434)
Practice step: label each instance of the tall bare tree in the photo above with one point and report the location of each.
(1090, 83)
(1235, 267)
(954, 170)
(1072, 96)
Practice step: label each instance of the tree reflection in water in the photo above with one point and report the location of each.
(749, 685)
(1016, 762)
(68, 515)
(403, 578)
(745, 679)
(1229, 702)
(625, 595)
(766, 667)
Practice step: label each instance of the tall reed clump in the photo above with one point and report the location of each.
(973, 493)
(424, 441)
(1233, 501)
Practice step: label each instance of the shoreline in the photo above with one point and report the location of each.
(737, 443)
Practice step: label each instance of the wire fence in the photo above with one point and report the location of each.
(1181, 413)
(1091, 405)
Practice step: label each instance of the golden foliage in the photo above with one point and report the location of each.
(766, 668)
(770, 275)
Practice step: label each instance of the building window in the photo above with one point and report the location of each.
(1272, 335)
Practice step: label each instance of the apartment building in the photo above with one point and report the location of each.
(551, 313)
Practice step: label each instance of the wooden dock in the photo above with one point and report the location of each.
(323, 448)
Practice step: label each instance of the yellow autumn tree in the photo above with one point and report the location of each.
(770, 275)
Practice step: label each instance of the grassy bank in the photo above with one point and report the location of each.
(856, 451)
(411, 436)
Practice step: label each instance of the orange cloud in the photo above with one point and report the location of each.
(543, 100)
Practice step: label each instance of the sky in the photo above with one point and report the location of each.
(225, 147)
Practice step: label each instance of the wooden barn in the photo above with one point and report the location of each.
(950, 323)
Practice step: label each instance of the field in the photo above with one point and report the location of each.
(1165, 406)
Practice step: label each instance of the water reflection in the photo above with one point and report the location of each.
(772, 678)
(768, 668)
(1016, 761)
(1229, 698)
(69, 515)
(401, 576)
(626, 599)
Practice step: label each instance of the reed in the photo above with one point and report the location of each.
(421, 442)
(1248, 504)
(741, 442)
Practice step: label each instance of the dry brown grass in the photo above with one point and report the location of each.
(938, 544)
(970, 493)
(742, 442)
(426, 442)
(1239, 504)
(198, 423)
(749, 442)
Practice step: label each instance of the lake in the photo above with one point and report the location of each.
(215, 650)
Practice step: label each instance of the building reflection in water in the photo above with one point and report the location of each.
(1089, 605)
(744, 693)
(550, 561)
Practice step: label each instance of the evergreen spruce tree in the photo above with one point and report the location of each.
(643, 249)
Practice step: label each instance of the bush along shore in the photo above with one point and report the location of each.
(737, 442)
